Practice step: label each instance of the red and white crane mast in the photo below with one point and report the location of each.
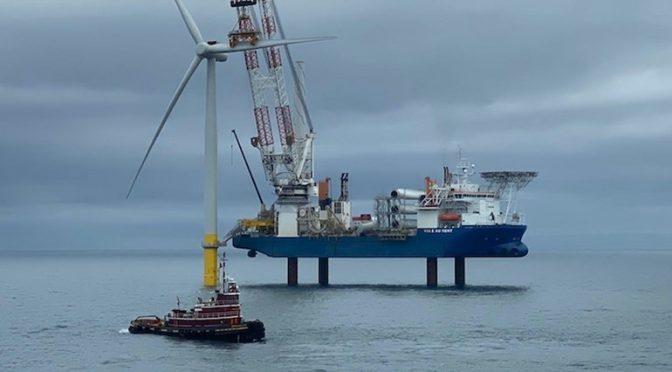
(291, 170)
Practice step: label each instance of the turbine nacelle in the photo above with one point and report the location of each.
(205, 50)
(211, 49)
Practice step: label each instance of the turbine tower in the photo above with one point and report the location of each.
(213, 52)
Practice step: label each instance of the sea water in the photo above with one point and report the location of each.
(573, 310)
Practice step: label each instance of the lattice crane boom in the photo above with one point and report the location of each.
(293, 164)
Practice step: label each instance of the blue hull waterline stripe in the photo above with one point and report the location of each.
(465, 241)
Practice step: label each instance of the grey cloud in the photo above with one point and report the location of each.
(579, 91)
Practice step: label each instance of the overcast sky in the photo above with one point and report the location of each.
(579, 91)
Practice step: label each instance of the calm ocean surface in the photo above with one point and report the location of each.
(548, 311)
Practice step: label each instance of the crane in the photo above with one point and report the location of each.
(289, 166)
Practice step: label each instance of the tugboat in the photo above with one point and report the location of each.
(218, 318)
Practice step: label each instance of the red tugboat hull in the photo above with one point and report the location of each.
(249, 331)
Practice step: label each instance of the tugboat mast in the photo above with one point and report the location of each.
(222, 269)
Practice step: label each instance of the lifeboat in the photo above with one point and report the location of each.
(450, 217)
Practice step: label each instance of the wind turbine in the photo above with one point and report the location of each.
(213, 52)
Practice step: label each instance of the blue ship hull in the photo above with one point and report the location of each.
(465, 241)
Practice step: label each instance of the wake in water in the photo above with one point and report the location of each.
(123, 331)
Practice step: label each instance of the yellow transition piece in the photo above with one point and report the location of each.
(210, 267)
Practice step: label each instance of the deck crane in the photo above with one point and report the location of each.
(288, 168)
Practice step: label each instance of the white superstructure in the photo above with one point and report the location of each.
(459, 202)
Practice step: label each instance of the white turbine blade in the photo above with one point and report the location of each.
(224, 48)
(190, 71)
(189, 21)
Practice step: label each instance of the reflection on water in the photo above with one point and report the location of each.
(467, 290)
